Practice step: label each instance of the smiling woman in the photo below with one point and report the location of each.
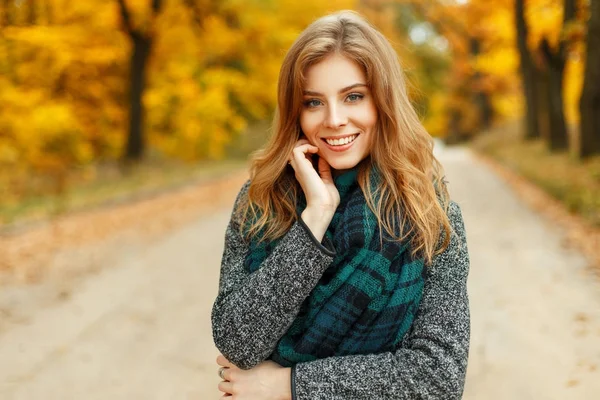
(345, 263)
(339, 113)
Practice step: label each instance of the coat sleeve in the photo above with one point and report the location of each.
(431, 362)
(252, 311)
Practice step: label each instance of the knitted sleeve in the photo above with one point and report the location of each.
(432, 359)
(253, 310)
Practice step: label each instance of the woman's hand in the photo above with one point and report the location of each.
(319, 189)
(322, 197)
(267, 381)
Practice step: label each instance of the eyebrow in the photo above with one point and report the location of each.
(311, 93)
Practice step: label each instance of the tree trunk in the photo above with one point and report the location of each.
(455, 133)
(559, 139)
(8, 12)
(554, 61)
(555, 65)
(589, 104)
(142, 47)
(139, 60)
(31, 12)
(48, 12)
(480, 97)
(542, 85)
(528, 72)
(8, 19)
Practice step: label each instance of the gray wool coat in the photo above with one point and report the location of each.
(253, 310)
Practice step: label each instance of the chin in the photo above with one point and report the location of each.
(343, 165)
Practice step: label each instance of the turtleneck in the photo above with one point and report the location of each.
(345, 181)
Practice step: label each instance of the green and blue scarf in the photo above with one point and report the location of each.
(367, 298)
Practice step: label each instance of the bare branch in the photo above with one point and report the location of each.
(125, 16)
(197, 14)
(549, 55)
(156, 6)
(442, 26)
(568, 15)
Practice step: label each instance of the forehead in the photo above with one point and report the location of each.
(332, 74)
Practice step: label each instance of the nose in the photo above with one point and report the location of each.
(336, 117)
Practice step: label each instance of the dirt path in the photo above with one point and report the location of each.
(535, 306)
(137, 326)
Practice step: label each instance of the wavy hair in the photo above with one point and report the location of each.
(411, 184)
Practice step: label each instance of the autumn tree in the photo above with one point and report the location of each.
(198, 73)
(473, 83)
(554, 60)
(141, 41)
(529, 73)
(590, 97)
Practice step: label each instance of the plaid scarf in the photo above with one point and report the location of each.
(366, 300)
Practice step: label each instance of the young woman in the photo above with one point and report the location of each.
(345, 264)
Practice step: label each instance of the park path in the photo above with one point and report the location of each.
(139, 328)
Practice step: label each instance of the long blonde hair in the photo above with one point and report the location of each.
(411, 183)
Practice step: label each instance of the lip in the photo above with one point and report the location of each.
(340, 148)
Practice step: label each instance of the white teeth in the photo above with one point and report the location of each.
(340, 142)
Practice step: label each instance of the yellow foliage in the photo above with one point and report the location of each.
(437, 123)
(544, 19)
(508, 105)
(499, 61)
(572, 86)
(64, 79)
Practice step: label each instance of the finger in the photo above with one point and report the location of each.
(225, 387)
(227, 374)
(312, 148)
(222, 373)
(303, 150)
(222, 361)
(324, 170)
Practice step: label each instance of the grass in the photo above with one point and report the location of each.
(31, 199)
(103, 185)
(573, 182)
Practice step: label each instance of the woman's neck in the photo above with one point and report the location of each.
(337, 172)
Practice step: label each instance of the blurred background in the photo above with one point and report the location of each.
(93, 92)
(125, 127)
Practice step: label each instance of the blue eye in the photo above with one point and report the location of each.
(312, 103)
(354, 97)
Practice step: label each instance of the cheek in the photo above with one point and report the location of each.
(368, 116)
(309, 122)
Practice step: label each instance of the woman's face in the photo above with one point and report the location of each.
(338, 112)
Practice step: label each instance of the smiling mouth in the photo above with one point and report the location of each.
(341, 142)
